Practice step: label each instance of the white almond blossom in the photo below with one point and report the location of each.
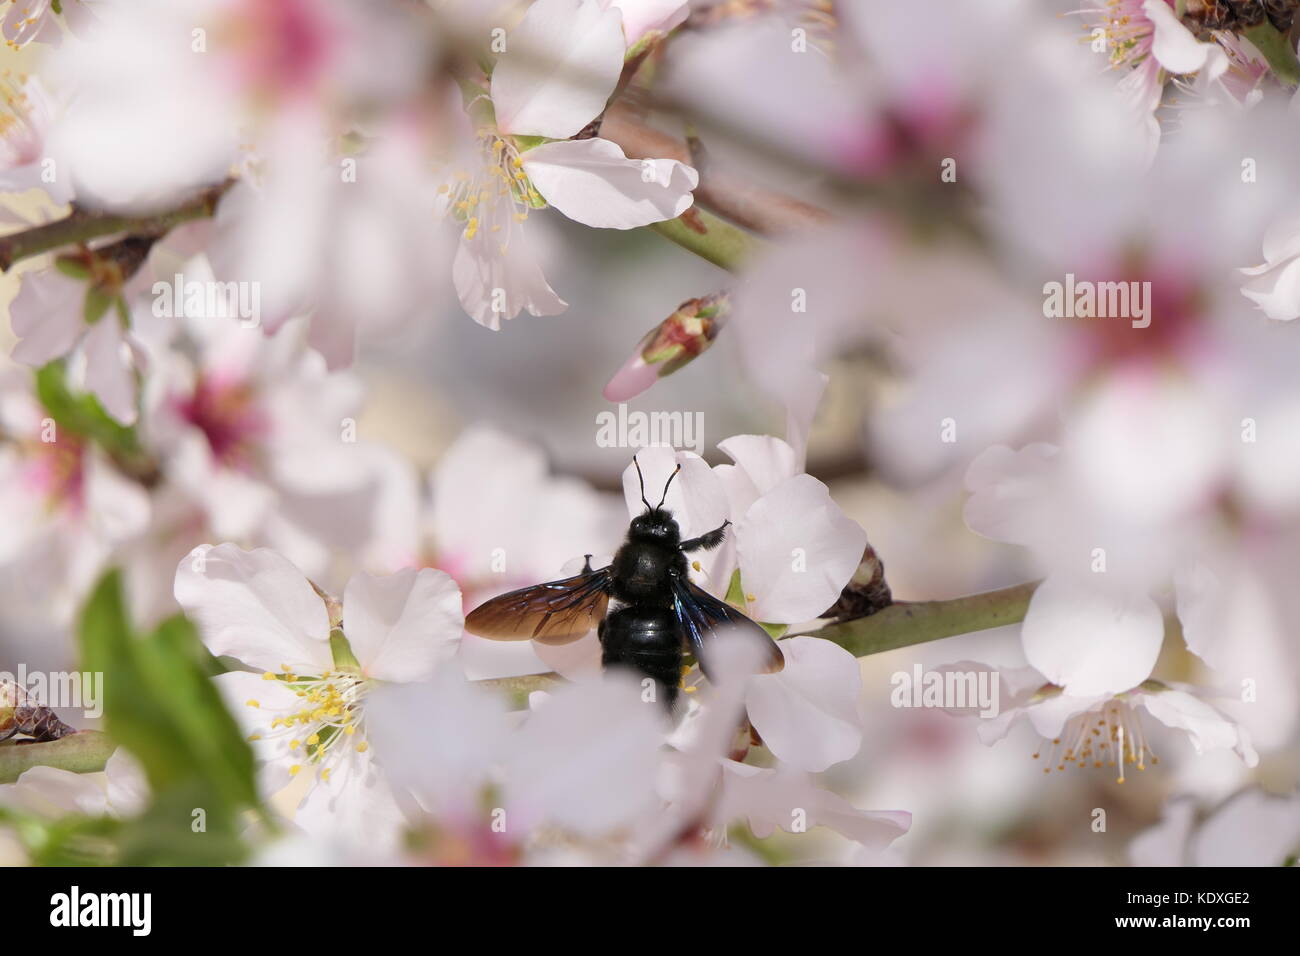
(560, 65)
(305, 709)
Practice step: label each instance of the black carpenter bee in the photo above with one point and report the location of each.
(658, 611)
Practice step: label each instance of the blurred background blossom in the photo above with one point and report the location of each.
(909, 180)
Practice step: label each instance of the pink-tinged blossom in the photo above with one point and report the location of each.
(260, 437)
(65, 504)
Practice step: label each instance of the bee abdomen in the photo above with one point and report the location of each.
(646, 641)
(21, 714)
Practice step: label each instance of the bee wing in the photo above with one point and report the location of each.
(699, 614)
(553, 613)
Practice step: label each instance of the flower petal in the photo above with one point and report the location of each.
(496, 280)
(46, 316)
(1090, 640)
(255, 606)
(1173, 45)
(561, 64)
(807, 714)
(797, 550)
(592, 182)
(401, 626)
(1206, 727)
(769, 798)
(587, 758)
(110, 373)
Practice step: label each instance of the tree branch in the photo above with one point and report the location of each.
(86, 751)
(905, 623)
(710, 238)
(83, 225)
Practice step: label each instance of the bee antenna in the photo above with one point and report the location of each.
(641, 478)
(666, 484)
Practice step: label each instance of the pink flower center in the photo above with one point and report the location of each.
(56, 472)
(227, 414)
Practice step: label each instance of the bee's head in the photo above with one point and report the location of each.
(657, 522)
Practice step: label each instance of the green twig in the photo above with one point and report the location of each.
(905, 623)
(84, 752)
(710, 238)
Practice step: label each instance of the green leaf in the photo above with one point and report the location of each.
(83, 415)
(97, 303)
(160, 703)
(73, 268)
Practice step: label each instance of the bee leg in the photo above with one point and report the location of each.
(586, 564)
(706, 542)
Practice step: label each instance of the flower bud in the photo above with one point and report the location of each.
(670, 345)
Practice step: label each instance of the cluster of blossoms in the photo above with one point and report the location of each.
(1072, 268)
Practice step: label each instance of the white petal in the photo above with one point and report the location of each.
(255, 703)
(642, 16)
(127, 788)
(1012, 493)
(46, 316)
(587, 758)
(439, 739)
(54, 792)
(1173, 45)
(807, 714)
(117, 508)
(110, 373)
(768, 799)
(495, 281)
(1275, 289)
(766, 461)
(401, 626)
(1090, 640)
(592, 182)
(257, 607)
(797, 550)
(560, 65)
(1206, 727)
